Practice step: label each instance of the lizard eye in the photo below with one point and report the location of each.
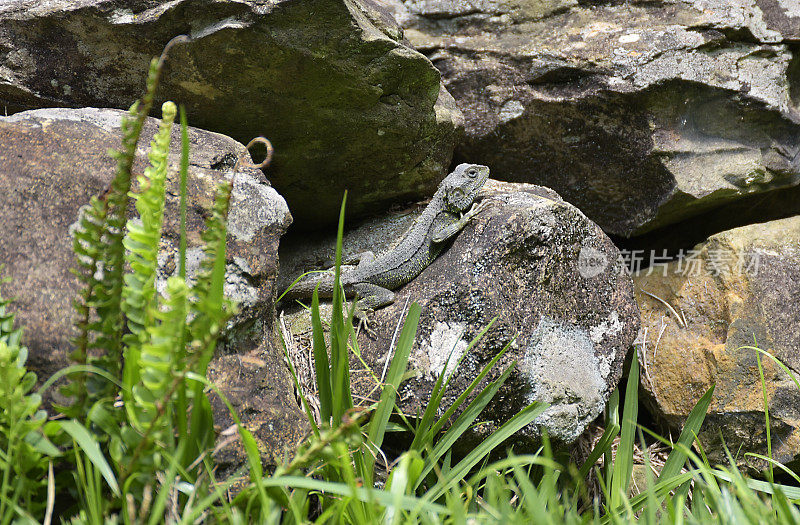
(472, 172)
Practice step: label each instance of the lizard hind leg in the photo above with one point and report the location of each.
(369, 297)
(365, 257)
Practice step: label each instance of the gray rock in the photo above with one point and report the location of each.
(346, 102)
(640, 113)
(561, 297)
(738, 289)
(54, 160)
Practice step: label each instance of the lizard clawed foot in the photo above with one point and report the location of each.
(362, 314)
(364, 323)
(477, 208)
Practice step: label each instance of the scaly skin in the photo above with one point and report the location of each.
(373, 280)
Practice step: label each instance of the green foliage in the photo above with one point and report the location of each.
(100, 264)
(24, 449)
(160, 349)
(154, 347)
(8, 334)
(137, 437)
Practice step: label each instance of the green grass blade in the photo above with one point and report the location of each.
(661, 489)
(761, 486)
(788, 512)
(770, 472)
(516, 423)
(653, 503)
(377, 425)
(463, 422)
(777, 361)
(91, 449)
(677, 508)
(602, 446)
(774, 463)
(341, 398)
(164, 491)
(362, 494)
(182, 402)
(532, 499)
(612, 419)
(321, 363)
(462, 398)
(623, 463)
(424, 425)
(677, 458)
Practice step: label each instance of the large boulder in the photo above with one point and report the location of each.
(346, 102)
(561, 297)
(54, 160)
(639, 113)
(701, 317)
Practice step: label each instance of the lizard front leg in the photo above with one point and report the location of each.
(447, 225)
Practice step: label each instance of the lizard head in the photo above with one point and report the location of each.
(461, 187)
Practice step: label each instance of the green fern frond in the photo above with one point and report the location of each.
(109, 294)
(23, 446)
(100, 265)
(142, 243)
(87, 244)
(8, 334)
(157, 360)
(143, 237)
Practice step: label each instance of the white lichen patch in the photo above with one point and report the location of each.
(629, 38)
(108, 120)
(608, 328)
(563, 371)
(122, 16)
(228, 23)
(445, 348)
(511, 110)
(237, 283)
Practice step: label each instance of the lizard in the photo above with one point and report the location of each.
(374, 278)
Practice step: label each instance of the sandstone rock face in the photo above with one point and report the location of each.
(639, 113)
(346, 102)
(738, 289)
(54, 160)
(554, 282)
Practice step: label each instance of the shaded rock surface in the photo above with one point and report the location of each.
(54, 160)
(561, 298)
(641, 114)
(345, 101)
(739, 288)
